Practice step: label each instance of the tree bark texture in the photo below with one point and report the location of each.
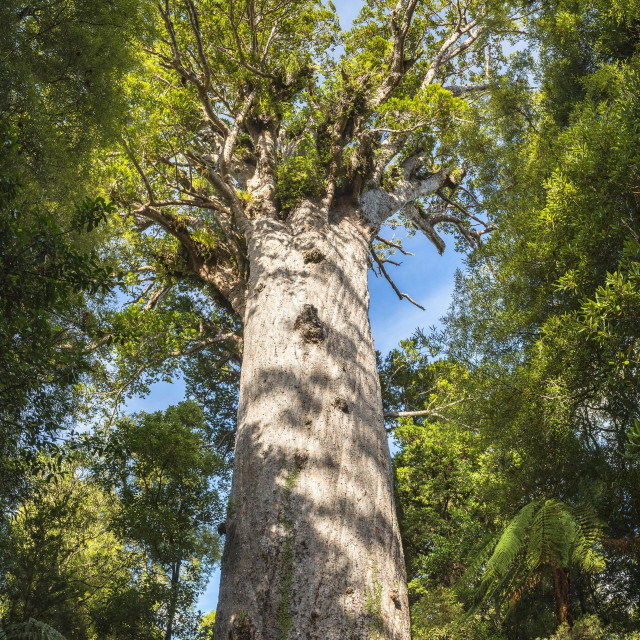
(562, 591)
(313, 549)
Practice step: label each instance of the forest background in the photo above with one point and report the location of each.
(517, 487)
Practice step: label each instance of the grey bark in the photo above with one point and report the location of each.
(312, 548)
(173, 599)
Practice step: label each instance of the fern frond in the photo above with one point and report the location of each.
(551, 536)
(478, 560)
(30, 630)
(543, 532)
(510, 544)
(586, 551)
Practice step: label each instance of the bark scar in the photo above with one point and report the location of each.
(313, 255)
(309, 325)
(341, 405)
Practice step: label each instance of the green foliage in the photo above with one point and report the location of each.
(448, 489)
(300, 175)
(60, 100)
(118, 539)
(91, 213)
(59, 559)
(536, 391)
(62, 66)
(205, 628)
(539, 351)
(165, 475)
(590, 627)
(163, 471)
(45, 279)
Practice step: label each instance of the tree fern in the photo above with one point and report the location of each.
(586, 552)
(499, 567)
(30, 630)
(544, 532)
(551, 535)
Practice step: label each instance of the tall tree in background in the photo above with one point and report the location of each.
(164, 475)
(260, 169)
(61, 562)
(118, 538)
(61, 65)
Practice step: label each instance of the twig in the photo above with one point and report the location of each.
(395, 245)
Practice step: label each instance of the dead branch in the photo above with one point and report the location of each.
(392, 283)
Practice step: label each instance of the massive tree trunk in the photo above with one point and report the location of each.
(312, 549)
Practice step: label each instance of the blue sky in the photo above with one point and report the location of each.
(427, 277)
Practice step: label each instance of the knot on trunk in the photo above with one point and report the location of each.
(341, 405)
(313, 255)
(309, 325)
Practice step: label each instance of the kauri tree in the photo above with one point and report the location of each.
(258, 168)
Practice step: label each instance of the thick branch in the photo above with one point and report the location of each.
(377, 204)
(211, 264)
(445, 53)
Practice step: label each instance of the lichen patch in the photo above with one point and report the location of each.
(241, 627)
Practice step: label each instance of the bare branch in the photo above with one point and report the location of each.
(378, 205)
(200, 346)
(465, 211)
(226, 191)
(156, 297)
(397, 65)
(422, 222)
(232, 136)
(392, 283)
(445, 53)
(408, 414)
(138, 168)
(142, 294)
(176, 63)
